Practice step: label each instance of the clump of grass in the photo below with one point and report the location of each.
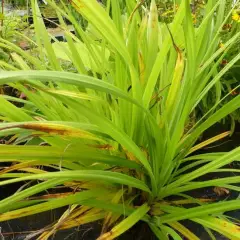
(113, 128)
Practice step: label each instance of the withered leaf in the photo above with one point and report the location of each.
(220, 191)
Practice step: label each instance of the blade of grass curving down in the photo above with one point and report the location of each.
(83, 154)
(96, 175)
(226, 228)
(48, 205)
(183, 230)
(8, 203)
(52, 129)
(65, 77)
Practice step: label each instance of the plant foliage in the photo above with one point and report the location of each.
(107, 115)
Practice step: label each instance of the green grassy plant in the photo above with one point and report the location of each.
(110, 126)
(230, 80)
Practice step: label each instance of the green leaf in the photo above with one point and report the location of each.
(95, 175)
(65, 77)
(224, 227)
(62, 52)
(76, 198)
(8, 203)
(126, 223)
(200, 211)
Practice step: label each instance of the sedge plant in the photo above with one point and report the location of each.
(105, 117)
(230, 79)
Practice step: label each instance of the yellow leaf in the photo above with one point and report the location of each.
(176, 81)
(209, 141)
(53, 129)
(183, 230)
